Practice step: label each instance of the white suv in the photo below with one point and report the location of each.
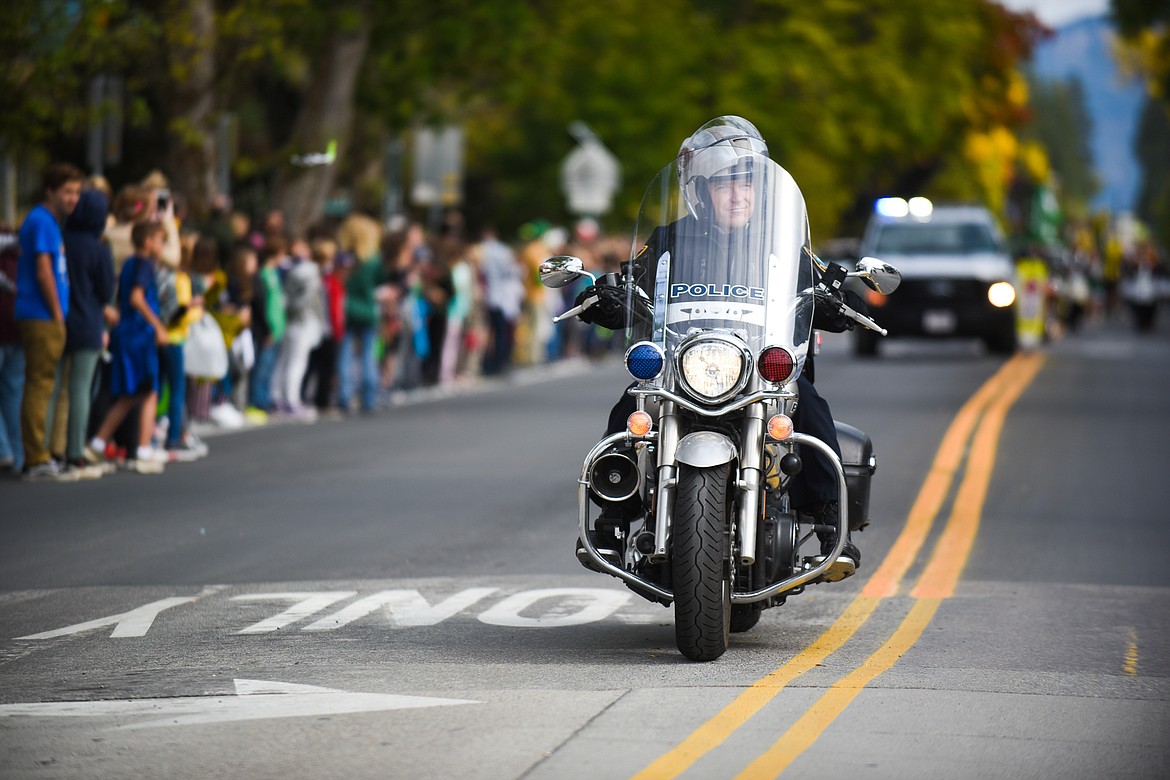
(957, 277)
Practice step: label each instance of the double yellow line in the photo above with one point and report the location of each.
(937, 582)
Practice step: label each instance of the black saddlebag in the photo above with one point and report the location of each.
(859, 461)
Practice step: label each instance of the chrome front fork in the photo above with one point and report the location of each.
(748, 482)
(750, 479)
(667, 478)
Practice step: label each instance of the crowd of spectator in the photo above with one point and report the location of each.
(125, 326)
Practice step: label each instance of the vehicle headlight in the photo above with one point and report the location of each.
(1001, 295)
(712, 368)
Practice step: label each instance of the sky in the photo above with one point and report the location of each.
(1057, 12)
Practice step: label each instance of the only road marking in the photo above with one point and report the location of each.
(253, 700)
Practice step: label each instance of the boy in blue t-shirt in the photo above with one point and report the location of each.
(134, 343)
(42, 301)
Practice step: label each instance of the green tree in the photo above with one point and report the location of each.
(1145, 26)
(1061, 124)
(325, 119)
(1153, 151)
(190, 33)
(858, 98)
(49, 51)
(1145, 29)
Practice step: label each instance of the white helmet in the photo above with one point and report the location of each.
(725, 146)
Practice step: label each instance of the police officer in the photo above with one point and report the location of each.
(717, 177)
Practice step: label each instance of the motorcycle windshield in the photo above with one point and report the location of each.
(728, 254)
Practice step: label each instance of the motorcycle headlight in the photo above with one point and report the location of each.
(713, 368)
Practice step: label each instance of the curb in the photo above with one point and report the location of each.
(400, 399)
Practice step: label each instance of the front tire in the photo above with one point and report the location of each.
(699, 560)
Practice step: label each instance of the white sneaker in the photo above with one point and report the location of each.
(305, 413)
(49, 472)
(226, 416)
(156, 454)
(198, 445)
(184, 452)
(86, 471)
(94, 458)
(145, 466)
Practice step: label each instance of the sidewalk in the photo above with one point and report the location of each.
(396, 399)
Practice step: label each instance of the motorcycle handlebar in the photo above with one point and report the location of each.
(863, 320)
(573, 312)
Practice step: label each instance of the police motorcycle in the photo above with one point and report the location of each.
(718, 324)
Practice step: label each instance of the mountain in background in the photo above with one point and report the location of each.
(1084, 50)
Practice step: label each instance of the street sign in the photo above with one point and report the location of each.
(590, 175)
(438, 166)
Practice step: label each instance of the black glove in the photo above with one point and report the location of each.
(830, 312)
(610, 309)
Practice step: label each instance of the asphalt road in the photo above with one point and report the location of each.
(396, 595)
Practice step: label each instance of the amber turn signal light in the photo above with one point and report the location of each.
(780, 427)
(639, 423)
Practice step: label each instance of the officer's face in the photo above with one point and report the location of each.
(731, 202)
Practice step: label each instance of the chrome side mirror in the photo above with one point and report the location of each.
(563, 270)
(877, 275)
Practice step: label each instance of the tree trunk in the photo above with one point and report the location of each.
(191, 127)
(304, 181)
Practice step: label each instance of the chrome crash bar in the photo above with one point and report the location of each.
(737, 597)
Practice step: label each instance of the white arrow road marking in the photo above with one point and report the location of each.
(253, 700)
(136, 622)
